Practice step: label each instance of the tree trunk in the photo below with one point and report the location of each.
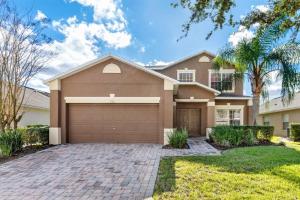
(255, 108)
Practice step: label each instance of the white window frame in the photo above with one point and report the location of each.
(266, 119)
(285, 119)
(230, 107)
(186, 71)
(222, 71)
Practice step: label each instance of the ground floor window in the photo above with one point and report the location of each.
(228, 116)
(266, 121)
(285, 121)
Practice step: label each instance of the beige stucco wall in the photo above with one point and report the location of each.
(276, 120)
(34, 116)
(201, 71)
(91, 82)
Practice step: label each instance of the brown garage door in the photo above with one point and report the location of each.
(130, 123)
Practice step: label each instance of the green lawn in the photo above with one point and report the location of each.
(269, 172)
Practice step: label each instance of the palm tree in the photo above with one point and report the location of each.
(258, 58)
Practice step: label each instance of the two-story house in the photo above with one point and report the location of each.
(117, 101)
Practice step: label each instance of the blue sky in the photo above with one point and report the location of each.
(142, 31)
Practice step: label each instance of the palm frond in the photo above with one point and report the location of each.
(268, 37)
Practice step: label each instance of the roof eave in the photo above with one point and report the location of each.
(216, 92)
(186, 58)
(102, 59)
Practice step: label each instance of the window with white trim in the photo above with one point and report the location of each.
(222, 80)
(229, 117)
(186, 75)
(285, 121)
(266, 121)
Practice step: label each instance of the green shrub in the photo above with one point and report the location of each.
(241, 135)
(249, 137)
(261, 133)
(10, 142)
(178, 138)
(227, 136)
(295, 132)
(36, 134)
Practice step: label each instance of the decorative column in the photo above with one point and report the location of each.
(250, 112)
(168, 110)
(210, 117)
(55, 112)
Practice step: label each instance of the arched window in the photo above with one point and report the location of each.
(111, 69)
(204, 59)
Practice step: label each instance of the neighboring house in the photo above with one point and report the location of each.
(114, 100)
(279, 115)
(35, 108)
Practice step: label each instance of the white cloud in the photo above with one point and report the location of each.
(262, 8)
(40, 16)
(158, 62)
(83, 40)
(108, 9)
(154, 63)
(241, 34)
(142, 49)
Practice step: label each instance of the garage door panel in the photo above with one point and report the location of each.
(116, 123)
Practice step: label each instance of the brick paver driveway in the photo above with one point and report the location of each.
(88, 171)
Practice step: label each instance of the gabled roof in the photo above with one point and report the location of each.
(35, 99)
(201, 86)
(276, 105)
(181, 60)
(103, 59)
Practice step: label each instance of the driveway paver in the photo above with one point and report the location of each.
(89, 171)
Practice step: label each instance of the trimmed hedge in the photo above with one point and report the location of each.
(229, 136)
(241, 135)
(261, 133)
(36, 134)
(10, 142)
(178, 138)
(295, 132)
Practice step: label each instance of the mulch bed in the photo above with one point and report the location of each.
(25, 151)
(170, 147)
(222, 148)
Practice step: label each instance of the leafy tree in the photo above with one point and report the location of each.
(218, 12)
(261, 56)
(23, 54)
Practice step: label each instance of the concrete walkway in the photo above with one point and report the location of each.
(90, 171)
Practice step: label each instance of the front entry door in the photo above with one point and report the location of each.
(189, 119)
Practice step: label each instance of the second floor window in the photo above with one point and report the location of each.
(222, 80)
(186, 75)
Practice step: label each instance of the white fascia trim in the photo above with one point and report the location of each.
(54, 84)
(186, 58)
(234, 98)
(112, 100)
(200, 85)
(222, 71)
(191, 100)
(280, 110)
(187, 71)
(230, 107)
(102, 59)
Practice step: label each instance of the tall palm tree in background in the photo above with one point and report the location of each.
(257, 59)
